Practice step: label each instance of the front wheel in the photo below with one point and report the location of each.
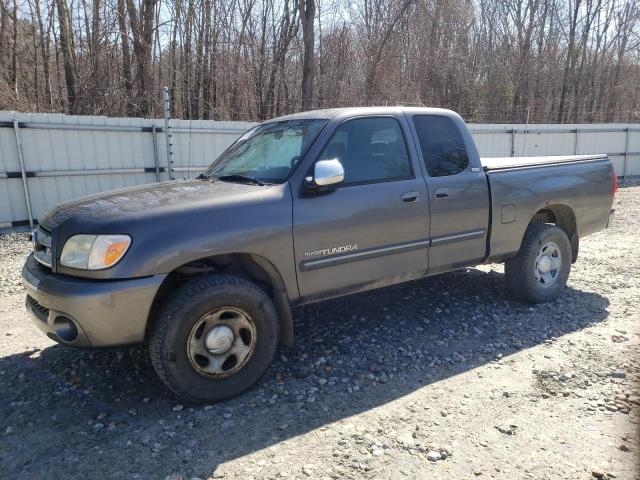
(214, 338)
(539, 272)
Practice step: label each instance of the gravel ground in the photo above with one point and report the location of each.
(439, 378)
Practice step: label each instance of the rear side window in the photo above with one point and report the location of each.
(370, 150)
(442, 147)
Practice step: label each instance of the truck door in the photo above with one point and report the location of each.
(373, 229)
(459, 196)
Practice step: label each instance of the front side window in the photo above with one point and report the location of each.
(442, 146)
(267, 152)
(370, 150)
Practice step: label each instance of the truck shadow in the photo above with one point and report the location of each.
(352, 354)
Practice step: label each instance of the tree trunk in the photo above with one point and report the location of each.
(4, 15)
(66, 42)
(307, 17)
(199, 68)
(96, 77)
(44, 52)
(127, 82)
(148, 14)
(35, 50)
(142, 31)
(186, 63)
(569, 62)
(13, 71)
(172, 53)
(206, 63)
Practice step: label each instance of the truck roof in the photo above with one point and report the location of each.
(356, 111)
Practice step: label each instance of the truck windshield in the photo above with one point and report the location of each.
(267, 153)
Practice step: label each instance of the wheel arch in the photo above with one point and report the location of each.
(254, 268)
(563, 217)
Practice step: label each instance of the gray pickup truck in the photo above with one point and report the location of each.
(300, 209)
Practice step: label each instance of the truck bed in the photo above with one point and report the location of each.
(577, 187)
(502, 163)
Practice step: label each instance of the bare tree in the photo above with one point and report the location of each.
(127, 82)
(307, 13)
(142, 27)
(492, 60)
(66, 46)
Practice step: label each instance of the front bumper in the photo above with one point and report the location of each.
(88, 313)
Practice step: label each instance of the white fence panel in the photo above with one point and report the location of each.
(633, 162)
(67, 157)
(70, 156)
(197, 143)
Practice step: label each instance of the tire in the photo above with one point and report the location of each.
(525, 273)
(179, 338)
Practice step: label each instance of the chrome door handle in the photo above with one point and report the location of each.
(409, 197)
(442, 193)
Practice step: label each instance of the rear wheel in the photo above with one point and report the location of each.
(539, 272)
(214, 338)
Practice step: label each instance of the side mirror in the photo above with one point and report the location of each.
(326, 174)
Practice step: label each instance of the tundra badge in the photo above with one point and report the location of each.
(332, 251)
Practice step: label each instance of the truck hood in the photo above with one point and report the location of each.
(147, 200)
(173, 223)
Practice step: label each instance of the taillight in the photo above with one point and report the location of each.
(615, 183)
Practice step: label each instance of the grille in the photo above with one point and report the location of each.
(41, 312)
(42, 246)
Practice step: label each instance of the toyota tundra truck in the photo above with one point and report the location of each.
(300, 209)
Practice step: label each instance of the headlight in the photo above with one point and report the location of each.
(94, 252)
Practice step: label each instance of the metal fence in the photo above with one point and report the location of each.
(46, 159)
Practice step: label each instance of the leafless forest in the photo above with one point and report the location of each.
(491, 60)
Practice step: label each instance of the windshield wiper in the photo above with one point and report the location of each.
(241, 178)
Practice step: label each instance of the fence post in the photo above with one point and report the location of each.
(577, 142)
(626, 155)
(155, 152)
(167, 130)
(23, 173)
(513, 142)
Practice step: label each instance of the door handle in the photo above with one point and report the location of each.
(409, 197)
(442, 193)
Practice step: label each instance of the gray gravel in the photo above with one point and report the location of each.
(439, 378)
(13, 250)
